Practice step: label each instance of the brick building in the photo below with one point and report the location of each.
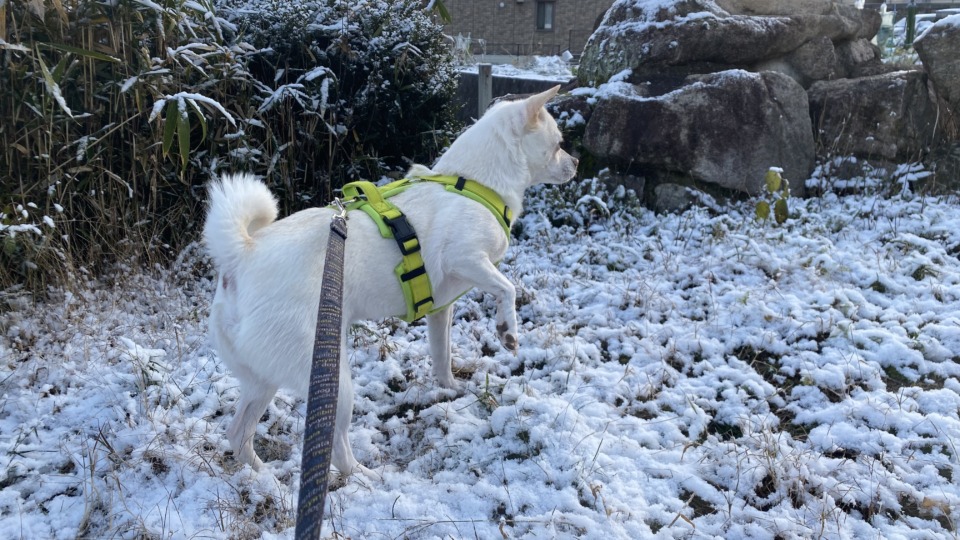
(525, 27)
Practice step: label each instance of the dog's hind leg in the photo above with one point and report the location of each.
(342, 457)
(438, 330)
(254, 398)
(487, 278)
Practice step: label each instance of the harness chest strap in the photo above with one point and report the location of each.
(392, 223)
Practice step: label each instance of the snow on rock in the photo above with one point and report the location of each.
(694, 375)
(937, 47)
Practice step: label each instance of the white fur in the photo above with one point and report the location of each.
(264, 313)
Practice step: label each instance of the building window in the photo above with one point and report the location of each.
(545, 16)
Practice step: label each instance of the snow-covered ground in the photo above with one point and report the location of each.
(699, 375)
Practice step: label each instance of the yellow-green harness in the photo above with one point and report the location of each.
(392, 223)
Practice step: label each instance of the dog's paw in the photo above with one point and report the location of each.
(447, 382)
(369, 474)
(250, 458)
(343, 473)
(510, 342)
(508, 338)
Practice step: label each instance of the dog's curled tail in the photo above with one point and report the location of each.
(237, 206)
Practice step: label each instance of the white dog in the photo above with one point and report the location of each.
(264, 313)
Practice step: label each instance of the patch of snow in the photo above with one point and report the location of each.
(694, 374)
(942, 24)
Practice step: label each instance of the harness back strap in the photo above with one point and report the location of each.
(480, 193)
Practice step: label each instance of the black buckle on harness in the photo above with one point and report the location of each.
(403, 233)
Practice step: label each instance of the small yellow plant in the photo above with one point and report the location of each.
(778, 191)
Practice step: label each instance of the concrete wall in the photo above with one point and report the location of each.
(467, 91)
(510, 26)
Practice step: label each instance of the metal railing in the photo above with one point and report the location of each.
(922, 5)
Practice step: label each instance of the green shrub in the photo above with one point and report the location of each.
(393, 71)
(114, 115)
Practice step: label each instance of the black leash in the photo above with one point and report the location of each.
(324, 384)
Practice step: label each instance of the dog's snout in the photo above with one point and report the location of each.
(576, 162)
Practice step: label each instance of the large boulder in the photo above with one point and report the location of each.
(724, 128)
(939, 50)
(889, 116)
(815, 60)
(859, 58)
(702, 36)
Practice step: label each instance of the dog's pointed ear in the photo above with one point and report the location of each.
(536, 102)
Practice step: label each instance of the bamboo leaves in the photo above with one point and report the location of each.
(52, 78)
(100, 98)
(177, 120)
(51, 84)
(81, 52)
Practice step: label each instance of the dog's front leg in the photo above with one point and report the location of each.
(438, 330)
(487, 278)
